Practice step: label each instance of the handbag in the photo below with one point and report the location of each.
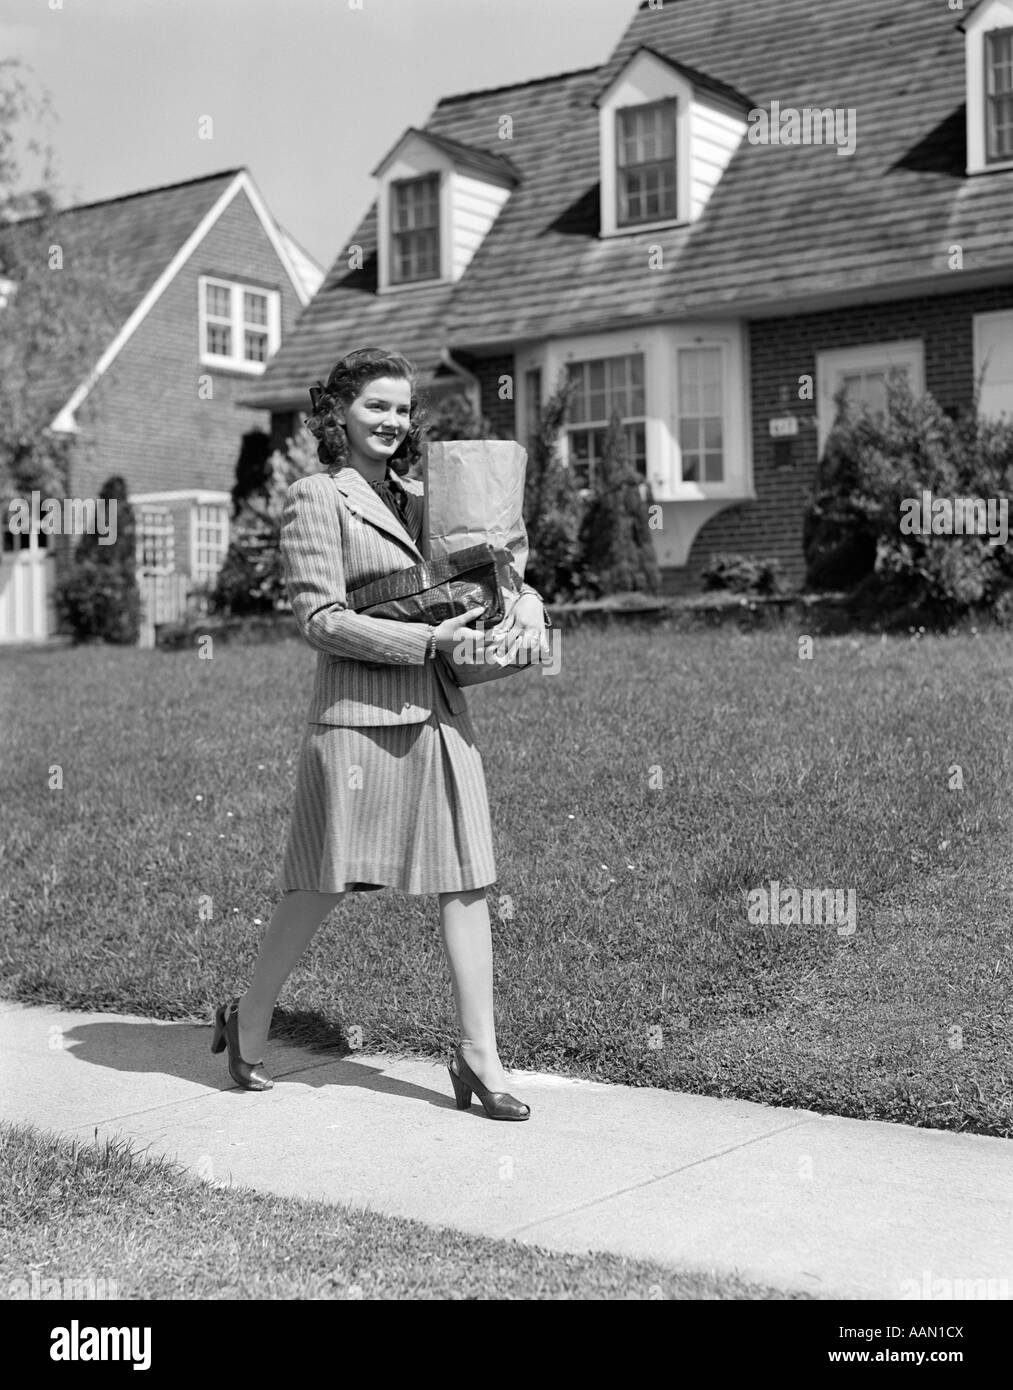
(434, 590)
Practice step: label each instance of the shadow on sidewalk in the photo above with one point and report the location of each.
(183, 1050)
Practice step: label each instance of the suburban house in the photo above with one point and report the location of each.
(204, 287)
(746, 209)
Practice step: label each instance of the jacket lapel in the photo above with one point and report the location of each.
(364, 502)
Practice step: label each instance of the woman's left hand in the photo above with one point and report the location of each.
(524, 626)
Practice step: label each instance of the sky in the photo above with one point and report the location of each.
(309, 95)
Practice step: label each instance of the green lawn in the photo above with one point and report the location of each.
(143, 1228)
(624, 950)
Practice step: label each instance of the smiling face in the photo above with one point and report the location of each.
(377, 421)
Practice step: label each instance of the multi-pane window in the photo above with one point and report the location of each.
(701, 415)
(254, 326)
(603, 386)
(646, 166)
(999, 94)
(210, 541)
(156, 540)
(867, 388)
(218, 320)
(236, 323)
(415, 229)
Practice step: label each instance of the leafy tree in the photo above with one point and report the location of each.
(617, 551)
(54, 316)
(251, 579)
(99, 597)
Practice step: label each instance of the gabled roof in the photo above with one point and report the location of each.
(482, 162)
(147, 236)
(786, 228)
(699, 80)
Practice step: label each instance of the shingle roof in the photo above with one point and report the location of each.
(466, 156)
(786, 225)
(137, 234)
(700, 80)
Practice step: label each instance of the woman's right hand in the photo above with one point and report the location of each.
(450, 631)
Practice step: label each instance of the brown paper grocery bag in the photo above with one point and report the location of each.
(474, 492)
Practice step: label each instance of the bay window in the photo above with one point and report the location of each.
(605, 385)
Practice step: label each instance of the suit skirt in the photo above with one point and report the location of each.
(393, 806)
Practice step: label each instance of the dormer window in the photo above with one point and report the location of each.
(415, 229)
(666, 135)
(999, 94)
(646, 160)
(988, 59)
(437, 199)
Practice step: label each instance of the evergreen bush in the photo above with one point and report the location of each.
(98, 597)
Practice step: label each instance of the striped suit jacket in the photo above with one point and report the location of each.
(336, 535)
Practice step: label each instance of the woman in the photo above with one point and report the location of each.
(390, 790)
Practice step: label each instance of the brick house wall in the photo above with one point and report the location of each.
(488, 370)
(782, 350)
(144, 418)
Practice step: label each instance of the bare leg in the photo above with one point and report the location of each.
(467, 942)
(295, 921)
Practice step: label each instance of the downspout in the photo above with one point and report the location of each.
(472, 388)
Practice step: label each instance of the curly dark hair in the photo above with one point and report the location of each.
(345, 382)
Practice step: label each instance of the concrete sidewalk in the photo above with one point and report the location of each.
(838, 1208)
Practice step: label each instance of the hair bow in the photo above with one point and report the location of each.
(317, 392)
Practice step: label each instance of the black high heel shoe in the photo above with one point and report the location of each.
(498, 1105)
(251, 1076)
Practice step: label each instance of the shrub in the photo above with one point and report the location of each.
(99, 598)
(617, 552)
(855, 535)
(553, 507)
(454, 417)
(251, 579)
(742, 574)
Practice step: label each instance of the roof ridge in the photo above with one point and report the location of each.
(513, 86)
(145, 192)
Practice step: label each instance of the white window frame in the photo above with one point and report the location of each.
(415, 164)
(680, 413)
(570, 426)
(392, 186)
(659, 344)
(155, 521)
(671, 102)
(867, 357)
(998, 14)
(237, 288)
(647, 81)
(207, 572)
(1004, 318)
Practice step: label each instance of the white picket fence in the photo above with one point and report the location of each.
(164, 599)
